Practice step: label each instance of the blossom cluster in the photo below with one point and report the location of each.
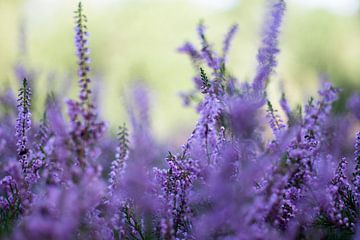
(64, 178)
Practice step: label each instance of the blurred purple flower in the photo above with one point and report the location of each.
(353, 104)
(267, 53)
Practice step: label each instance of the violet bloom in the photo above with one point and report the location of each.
(86, 129)
(60, 211)
(353, 104)
(190, 50)
(227, 41)
(138, 187)
(56, 146)
(316, 114)
(82, 52)
(10, 203)
(41, 150)
(209, 56)
(285, 106)
(114, 200)
(176, 184)
(301, 155)
(207, 128)
(118, 165)
(140, 111)
(267, 53)
(242, 112)
(226, 198)
(30, 165)
(276, 124)
(23, 123)
(356, 174)
(340, 192)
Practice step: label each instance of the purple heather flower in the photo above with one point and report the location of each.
(86, 129)
(209, 56)
(30, 165)
(82, 52)
(190, 50)
(176, 184)
(317, 114)
(267, 53)
(10, 203)
(56, 166)
(60, 211)
(227, 41)
(43, 134)
(118, 165)
(285, 106)
(23, 122)
(138, 186)
(141, 97)
(9, 186)
(353, 104)
(207, 128)
(334, 202)
(356, 174)
(138, 180)
(302, 152)
(186, 98)
(198, 82)
(276, 124)
(242, 113)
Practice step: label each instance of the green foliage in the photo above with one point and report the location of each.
(204, 79)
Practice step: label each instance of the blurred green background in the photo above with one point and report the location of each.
(136, 40)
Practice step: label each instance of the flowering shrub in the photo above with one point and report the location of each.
(230, 179)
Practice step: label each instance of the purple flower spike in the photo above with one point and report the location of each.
(276, 123)
(227, 41)
(356, 174)
(86, 129)
(209, 56)
(119, 163)
(82, 52)
(285, 106)
(353, 105)
(190, 50)
(267, 53)
(23, 125)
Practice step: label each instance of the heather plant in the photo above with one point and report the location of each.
(248, 170)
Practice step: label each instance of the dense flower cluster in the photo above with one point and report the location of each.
(232, 179)
(86, 129)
